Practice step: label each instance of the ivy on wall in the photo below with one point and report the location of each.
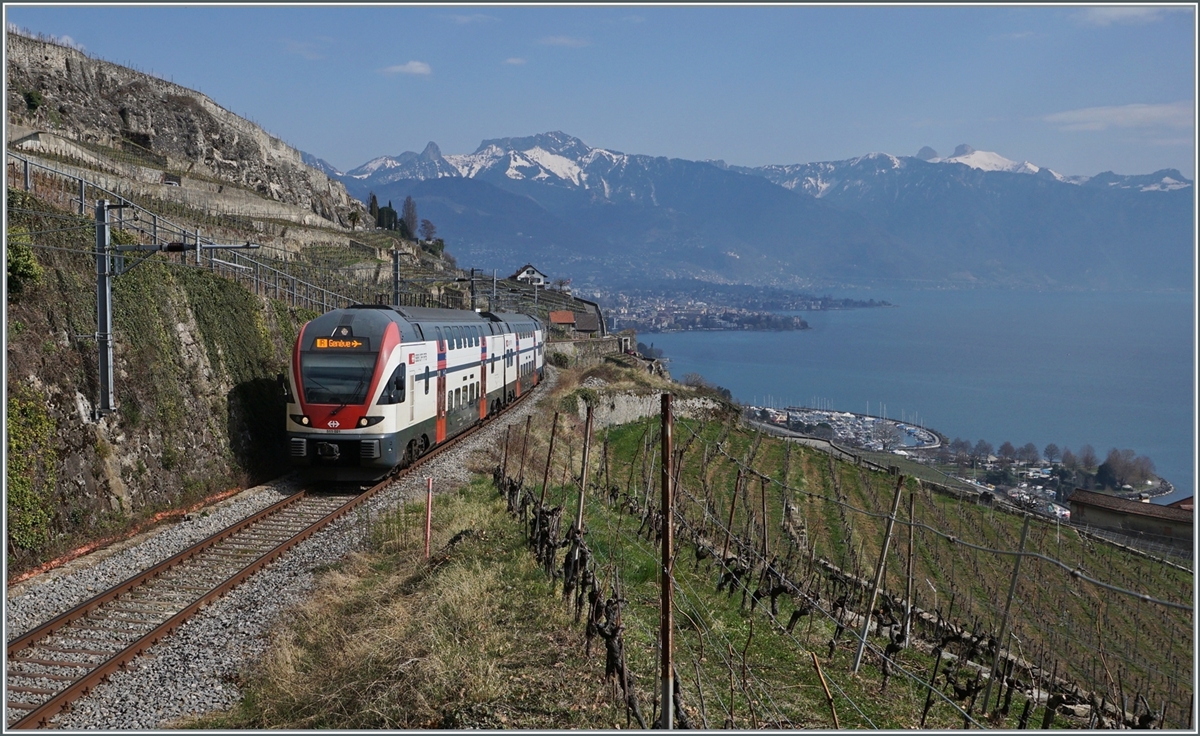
(30, 472)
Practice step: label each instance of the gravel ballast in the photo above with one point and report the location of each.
(195, 670)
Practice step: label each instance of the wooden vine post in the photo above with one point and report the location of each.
(908, 593)
(887, 537)
(1012, 589)
(549, 459)
(504, 464)
(524, 450)
(666, 625)
(583, 478)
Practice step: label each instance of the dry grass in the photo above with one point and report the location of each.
(389, 640)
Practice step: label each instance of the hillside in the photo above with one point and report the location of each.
(93, 102)
(776, 546)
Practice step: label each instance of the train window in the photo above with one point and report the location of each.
(457, 397)
(493, 364)
(426, 380)
(439, 337)
(336, 378)
(393, 390)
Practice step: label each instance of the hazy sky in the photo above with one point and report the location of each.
(1080, 90)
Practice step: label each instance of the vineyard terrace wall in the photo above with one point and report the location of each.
(199, 409)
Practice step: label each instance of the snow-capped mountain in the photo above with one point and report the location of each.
(427, 164)
(824, 178)
(986, 161)
(964, 218)
(549, 159)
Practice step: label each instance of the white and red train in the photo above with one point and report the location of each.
(372, 387)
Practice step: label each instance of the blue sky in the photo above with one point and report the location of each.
(1080, 90)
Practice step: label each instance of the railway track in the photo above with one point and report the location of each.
(64, 658)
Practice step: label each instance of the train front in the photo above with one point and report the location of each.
(339, 426)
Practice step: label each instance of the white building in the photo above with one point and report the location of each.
(529, 275)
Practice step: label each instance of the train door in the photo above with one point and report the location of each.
(537, 350)
(506, 341)
(483, 366)
(440, 431)
(516, 360)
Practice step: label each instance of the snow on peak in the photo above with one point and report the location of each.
(470, 164)
(986, 161)
(1166, 184)
(370, 167)
(885, 158)
(560, 166)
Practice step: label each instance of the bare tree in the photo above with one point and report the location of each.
(1051, 453)
(1029, 453)
(1007, 452)
(428, 231)
(887, 434)
(960, 450)
(1069, 461)
(1087, 458)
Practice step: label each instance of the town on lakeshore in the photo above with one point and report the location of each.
(1040, 481)
(716, 308)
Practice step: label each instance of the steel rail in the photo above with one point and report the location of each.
(41, 715)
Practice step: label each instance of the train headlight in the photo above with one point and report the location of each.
(369, 421)
(301, 419)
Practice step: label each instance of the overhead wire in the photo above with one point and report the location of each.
(695, 595)
(720, 525)
(639, 544)
(707, 632)
(816, 606)
(1075, 571)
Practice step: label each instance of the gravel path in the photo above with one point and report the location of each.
(194, 670)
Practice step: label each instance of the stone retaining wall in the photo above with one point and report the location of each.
(585, 352)
(622, 408)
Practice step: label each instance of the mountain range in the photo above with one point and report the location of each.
(973, 218)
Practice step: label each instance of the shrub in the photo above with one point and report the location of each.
(23, 268)
(33, 100)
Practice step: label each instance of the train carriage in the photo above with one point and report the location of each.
(370, 388)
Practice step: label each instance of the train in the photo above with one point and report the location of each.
(371, 388)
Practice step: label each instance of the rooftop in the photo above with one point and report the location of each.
(1135, 508)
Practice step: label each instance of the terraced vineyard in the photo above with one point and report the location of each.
(1114, 645)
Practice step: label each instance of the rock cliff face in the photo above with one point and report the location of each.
(62, 90)
(199, 410)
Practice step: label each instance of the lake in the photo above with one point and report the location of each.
(1110, 370)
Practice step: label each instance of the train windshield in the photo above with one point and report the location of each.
(336, 378)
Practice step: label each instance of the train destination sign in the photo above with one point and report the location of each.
(333, 343)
